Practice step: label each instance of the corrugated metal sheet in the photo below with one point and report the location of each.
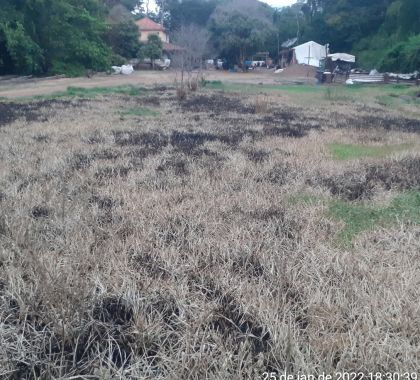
(365, 78)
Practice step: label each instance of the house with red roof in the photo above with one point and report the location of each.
(149, 27)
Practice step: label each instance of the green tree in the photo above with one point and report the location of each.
(53, 36)
(404, 56)
(19, 54)
(123, 38)
(153, 48)
(71, 34)
(240, 28)
(176, 13)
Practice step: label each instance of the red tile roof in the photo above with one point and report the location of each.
(147, 24)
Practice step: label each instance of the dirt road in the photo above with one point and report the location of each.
(140, 78)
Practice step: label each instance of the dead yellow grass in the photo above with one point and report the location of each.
(184, 246)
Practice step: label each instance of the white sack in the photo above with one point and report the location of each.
(117, 69)
(127, 69)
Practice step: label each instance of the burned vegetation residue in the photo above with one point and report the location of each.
(153, 140)
(32, 111)
(387, 122)
(189, 142)
(175, 164)
(230, 321)
(361, 183)
(215, 104)
(40, 212)
(289, 122)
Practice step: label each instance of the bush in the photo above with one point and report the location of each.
(124, 39)
(193, 85)
(117, 60)
(403, 57)
(69, 69)
(181, 93)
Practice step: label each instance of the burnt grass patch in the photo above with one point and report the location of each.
(230, 321)
(103, 202)
(109, 172)
(163, 308)
(288, 131)
(80, 161)
(235, 136)
(40, 212)
(113, 310)
(248, 265)
(257, 156)
(106, 331)
(137, 156)
(279, 174)
(153, 140)
(114, 319)
(288, 123)
(95, 138)
(281, 116)
(175, 164)
(41, 138)
(149, 264)
(32, 111)
(106, 154)
(361, 183)
(402, 124)
(215, 103)
(188, 142)
(150, 101)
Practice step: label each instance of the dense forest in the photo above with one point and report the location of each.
(71, 36)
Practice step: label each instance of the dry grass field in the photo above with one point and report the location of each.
(246, 229)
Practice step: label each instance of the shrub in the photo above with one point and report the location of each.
(181, 93)
(193, 85)
(403, 57)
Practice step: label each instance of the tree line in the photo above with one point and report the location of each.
(70, 36)
(65, 36)
(383, 34)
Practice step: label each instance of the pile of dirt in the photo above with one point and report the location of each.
(298, 71)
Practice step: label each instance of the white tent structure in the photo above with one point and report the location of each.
(310, 53)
